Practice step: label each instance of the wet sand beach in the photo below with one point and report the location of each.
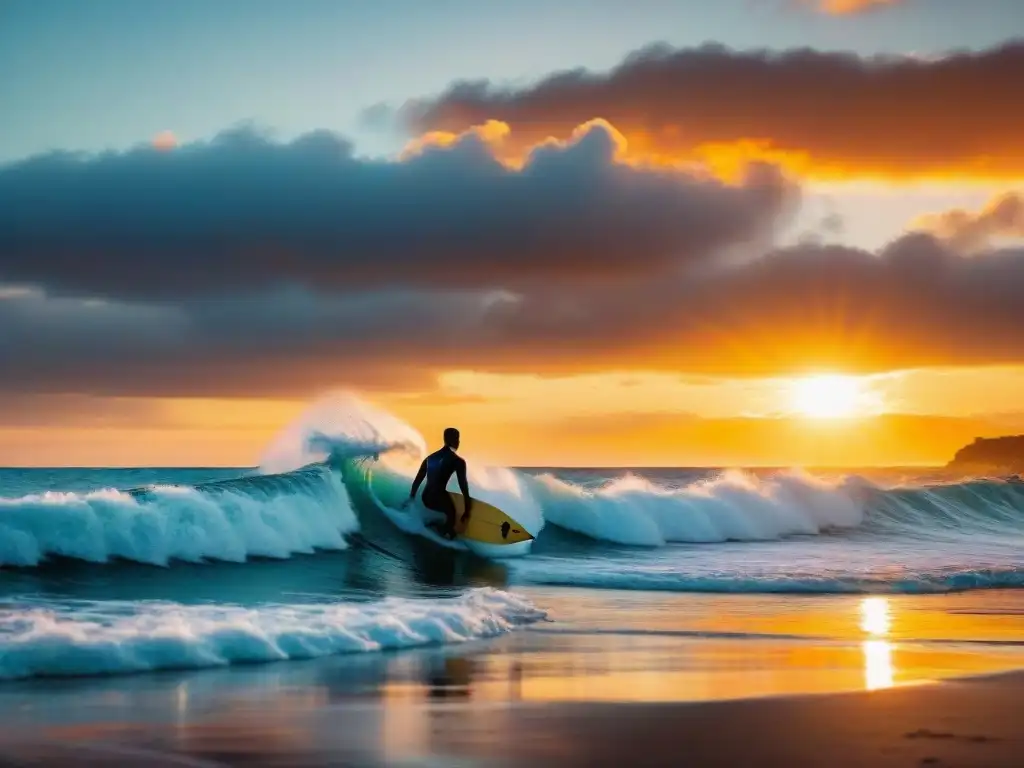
(611, 679)
(973, 722)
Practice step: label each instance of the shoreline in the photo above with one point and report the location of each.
(971, 721)
(632, 679)
(615, 677)
(967, 721)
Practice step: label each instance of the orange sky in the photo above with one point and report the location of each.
(632, 419)
(629, 335)
(632, 416)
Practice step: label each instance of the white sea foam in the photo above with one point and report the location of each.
(43, 638)
(735, 506)
(176, 523)
(339, 426)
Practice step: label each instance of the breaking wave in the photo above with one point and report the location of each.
(230, 521)
(60, 638)
(327, 475)
(730, 507)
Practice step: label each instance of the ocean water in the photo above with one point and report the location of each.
(124, 572)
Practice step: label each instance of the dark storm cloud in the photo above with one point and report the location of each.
(244, 267)
(243, 213)
(276, 343)
(914, 303)
(838, 113)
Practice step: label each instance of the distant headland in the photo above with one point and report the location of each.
(991, 455)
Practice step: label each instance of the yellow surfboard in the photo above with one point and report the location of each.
(487, 524)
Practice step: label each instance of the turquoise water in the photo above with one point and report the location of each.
(129, 571)
(112, 571)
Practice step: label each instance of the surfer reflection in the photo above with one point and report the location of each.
(437, 468)
(452, 678)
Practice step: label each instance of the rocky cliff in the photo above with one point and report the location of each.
(991, 455)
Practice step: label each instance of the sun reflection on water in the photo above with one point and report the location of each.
(876, 622)
(874, 616)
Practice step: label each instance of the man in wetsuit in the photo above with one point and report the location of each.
(437, 468)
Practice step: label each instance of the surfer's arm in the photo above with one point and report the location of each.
(422, 473)
(460, 472)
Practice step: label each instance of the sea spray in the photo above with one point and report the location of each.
(338, 427)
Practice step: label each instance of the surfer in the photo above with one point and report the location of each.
(437, 468)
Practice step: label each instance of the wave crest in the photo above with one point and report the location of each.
(734, 506)
(218, 521)
(335, 428)
(46, 639)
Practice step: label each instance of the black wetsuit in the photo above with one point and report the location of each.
(438, 468)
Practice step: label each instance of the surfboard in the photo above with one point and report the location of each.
(486, 533)
(487, 524)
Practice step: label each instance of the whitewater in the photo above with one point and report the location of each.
(126, 571)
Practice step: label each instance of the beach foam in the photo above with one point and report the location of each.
(61, 638)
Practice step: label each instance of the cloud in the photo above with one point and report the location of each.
(245, 267)
(915, 303)
(242, 213)
(848, 7)
(825, 114)
(969, 231)
(289, 342)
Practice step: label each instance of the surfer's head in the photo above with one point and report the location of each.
(451, 438)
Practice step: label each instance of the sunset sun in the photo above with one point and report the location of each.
(828, 397)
